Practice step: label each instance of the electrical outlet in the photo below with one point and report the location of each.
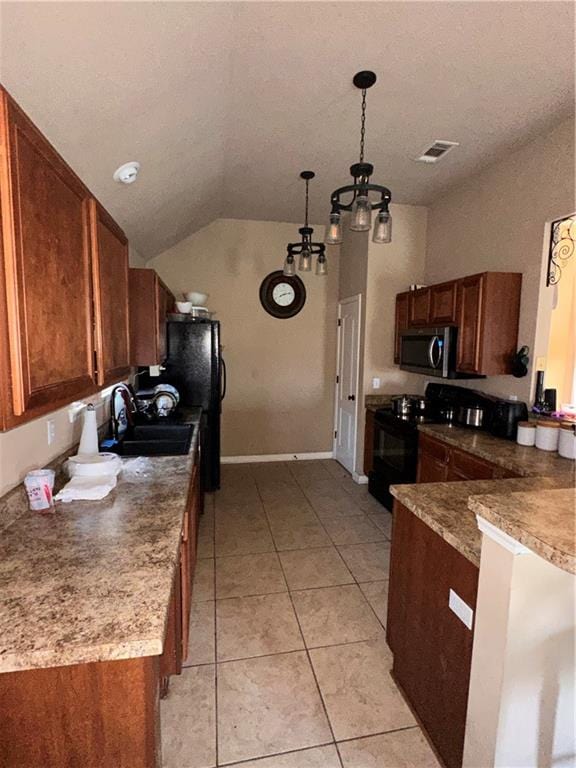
(376, 382)
(51, 430)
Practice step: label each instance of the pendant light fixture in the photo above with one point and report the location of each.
(305, 250)
(360, 205)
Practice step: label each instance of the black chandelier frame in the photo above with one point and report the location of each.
(306, 244)
(361, 171)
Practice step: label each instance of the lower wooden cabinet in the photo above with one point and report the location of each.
(439, 463)
(432, 647)
(369, 442)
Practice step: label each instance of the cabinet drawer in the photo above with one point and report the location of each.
(433, 447)
(470, 467)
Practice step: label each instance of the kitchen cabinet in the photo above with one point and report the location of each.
(150, 303)
(487, 316)
(63, 279)
(419, 302)
(402, 321)
(110, 281)
(443, 303)
(484, 307)
(439, 462)
(369, 442)
(46, 354)
(432, 647)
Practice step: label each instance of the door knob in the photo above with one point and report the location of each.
(351, 397)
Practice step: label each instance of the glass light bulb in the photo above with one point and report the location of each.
(305, 264)
(334, 230)
(382, 228)
(289, 266)
(321, 265)
(361, 218)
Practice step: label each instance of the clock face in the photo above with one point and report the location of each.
(282, 296)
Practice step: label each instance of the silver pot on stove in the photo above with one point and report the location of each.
(402, 405)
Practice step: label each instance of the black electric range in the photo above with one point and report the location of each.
(395, 455)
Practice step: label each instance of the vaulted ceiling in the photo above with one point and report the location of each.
(224, 103)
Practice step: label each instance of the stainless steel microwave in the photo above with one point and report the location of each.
(431, 351)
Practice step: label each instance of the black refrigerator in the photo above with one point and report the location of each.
(194, 365)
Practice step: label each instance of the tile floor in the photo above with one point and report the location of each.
(288, 664)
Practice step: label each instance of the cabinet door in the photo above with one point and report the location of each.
(470, 467)
(401, 321)
(110, 276)
(369, 443)
(431, 469)
(47, 306)
(443, 303)
(420, 307)
(470, 303)
(432, 647)
(164, 306)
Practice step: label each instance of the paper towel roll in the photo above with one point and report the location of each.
(89, 437)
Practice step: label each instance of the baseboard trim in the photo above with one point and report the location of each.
(360, 479)
(276, 457)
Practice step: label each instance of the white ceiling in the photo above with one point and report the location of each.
(224, 103)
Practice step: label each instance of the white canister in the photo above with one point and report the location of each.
(547, 434)
(526, 434)
(567, 440)
(39, 485)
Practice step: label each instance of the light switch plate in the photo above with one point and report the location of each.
(461, 609)
(376, 382)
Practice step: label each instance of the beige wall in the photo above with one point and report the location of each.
(496, 220)
(280, 372)
(26, 447)
(378, 273)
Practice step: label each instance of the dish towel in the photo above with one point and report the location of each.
(87, 488)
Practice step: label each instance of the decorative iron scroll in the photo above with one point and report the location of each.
(562, 247)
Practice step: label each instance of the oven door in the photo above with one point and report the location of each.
(395, 456)
(428, 350)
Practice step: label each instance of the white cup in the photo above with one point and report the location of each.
(39, 485)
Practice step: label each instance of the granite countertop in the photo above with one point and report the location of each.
(543, 520)
(524, 461)
(444, 506)
(92, 581)
(374, 402)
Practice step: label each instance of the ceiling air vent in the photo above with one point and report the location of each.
(436, 151)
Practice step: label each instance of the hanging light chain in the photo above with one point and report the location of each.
(306, 205)
(363, 125)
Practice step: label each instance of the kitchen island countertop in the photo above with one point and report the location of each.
(92, 581)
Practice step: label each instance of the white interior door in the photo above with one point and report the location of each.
(346, 420)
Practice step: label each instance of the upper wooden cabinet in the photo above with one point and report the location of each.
(443, 303)
(110, 278)
(487, 317)
(484, 307)
(419, 302)
(402, 321)
(46, 321)
(150, 302)
(59, 339)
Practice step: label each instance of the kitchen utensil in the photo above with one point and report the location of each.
(164, 403)
(471, 416)
(197, 299)
(526, 434)
(39, 485)
(567, 440)
(547, 435)
(419, 404)
(402, 405)
(183, 307)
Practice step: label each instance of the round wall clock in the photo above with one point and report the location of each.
(282, 296)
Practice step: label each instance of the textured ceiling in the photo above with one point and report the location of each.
(224, 103)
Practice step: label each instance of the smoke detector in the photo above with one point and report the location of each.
(437, 150)
(127, 173)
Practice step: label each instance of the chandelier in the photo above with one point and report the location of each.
(360, 205)
(305, 249)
